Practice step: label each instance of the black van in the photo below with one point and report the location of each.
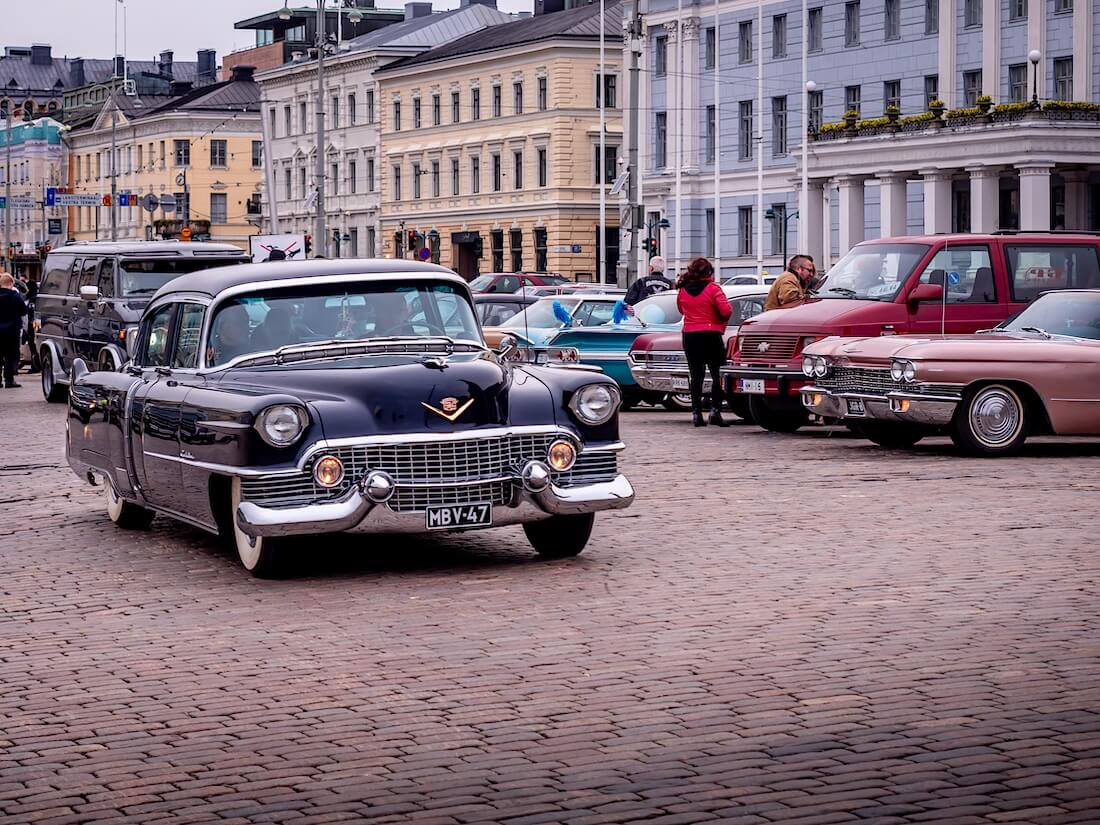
(93, 293)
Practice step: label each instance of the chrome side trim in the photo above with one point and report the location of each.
(225, 426)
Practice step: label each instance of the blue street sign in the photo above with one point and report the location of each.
(51, 195)
(3, 202)
(576, 247)
(953, 278)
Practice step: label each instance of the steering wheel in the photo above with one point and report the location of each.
(432, 328)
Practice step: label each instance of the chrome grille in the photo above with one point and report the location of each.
(776, 348)
(667, 359)
(590, 468)
(866, 380)
(411, 499)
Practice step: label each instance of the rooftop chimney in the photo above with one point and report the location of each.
(417, 9)
(166, 63)
(76, 73)
(243, 73)
(119, 67)
(490, 3)
(40, 55)
(208, 66)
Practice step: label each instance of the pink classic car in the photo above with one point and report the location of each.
(1036, 374)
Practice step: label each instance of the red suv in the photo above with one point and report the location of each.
(509, 282)
(924, 285)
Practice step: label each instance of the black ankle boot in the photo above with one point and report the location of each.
(697, 419)
(716, 419)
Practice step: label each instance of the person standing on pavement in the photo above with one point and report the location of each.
(12, 311)
(651, 284)
(789, 289)
(706, 312)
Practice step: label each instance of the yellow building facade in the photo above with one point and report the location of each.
(491, 143)
(204, 150)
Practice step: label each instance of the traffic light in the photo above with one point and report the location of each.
(309, 244)
(652, 247)
(414, 238)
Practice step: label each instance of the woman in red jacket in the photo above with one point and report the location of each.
(706, 313)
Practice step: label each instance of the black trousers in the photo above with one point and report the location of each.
(705, 351)
(9, 354)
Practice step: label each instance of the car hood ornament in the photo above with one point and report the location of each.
(448, 408)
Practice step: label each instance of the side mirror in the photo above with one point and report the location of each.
(922, 293)
(506, 346)
(132, 342)
(89, 293)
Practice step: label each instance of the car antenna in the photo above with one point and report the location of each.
(943, 298)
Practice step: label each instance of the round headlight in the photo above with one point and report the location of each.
(808, 365)
(910, 371)
(328, 471)
(897, 370)
(821, 367)
(281, 425)
(561, 456)
(595, 404)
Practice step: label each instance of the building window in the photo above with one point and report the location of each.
(370, 107)
(496, 101)
(891, 94)
(416, 113)
(710, 52)
(542, 93)
(1063, 78)
(182, 154)
(353, 175)
(416, 181)
(352, 114)
(660, 55)
(335, 112)
(779, 36)
(496, 172)
(456, 107)
(353, 239)
(496, 244)
(608, 83)
(370, 174)
(397, 183)
(744, 42)
(455, 179)
(931, 16)
(435, 178)
(817, 109)
(779, 125)
(334, 176)
(540, 249)
(931, 88)
(712, 137)
(287, 125)
(744, 226)
(660, 148)
(475, 104)
(288, 184)
(816, 36)
(257, 154)
(778, 227)
(303, 118)
(437, 110)
(219, 207)
(517, 169)
(541, 154)
(217, 153)
(744, 133)
(397, 115)
(517, 98)
(302, 181)
(515, 243)
(892, 19)
(475, 175)
(972, 13)
(371, 249)
(853, 99)
(712, 237)
(1063, 5)
(1017, 83)
(1017, 9)
(611, 154)
(972, 87)
(851, 23)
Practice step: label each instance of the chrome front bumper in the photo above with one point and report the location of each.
(895, 407)
(354, 512)
(664, 379)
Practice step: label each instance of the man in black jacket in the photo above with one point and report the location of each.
(651, 284)
(12, 311)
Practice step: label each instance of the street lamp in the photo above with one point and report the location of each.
(284, 13)
(773, 215)
(1035, 56)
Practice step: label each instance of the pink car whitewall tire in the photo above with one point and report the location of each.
(991, 421)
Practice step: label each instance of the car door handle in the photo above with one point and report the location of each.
(163, 371)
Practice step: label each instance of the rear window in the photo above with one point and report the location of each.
(1036, 268)
(142, 277)
(57, 274)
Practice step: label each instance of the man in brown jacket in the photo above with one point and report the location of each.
(789, 289)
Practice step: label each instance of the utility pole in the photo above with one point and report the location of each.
(635, 220)
(7, 184)
(114, 152)
(320, 232)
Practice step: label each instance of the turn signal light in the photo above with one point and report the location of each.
(328, 471)
(561, 456)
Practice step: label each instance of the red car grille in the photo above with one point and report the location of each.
(770, 348)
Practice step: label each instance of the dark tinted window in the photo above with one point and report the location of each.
(88, 275)
(143, 277)
(1035, 268)
(107, 278)
(57, 274)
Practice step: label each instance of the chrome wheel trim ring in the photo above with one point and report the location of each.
(248, 547)
(47, 375)
(114, 503)
(996, 416)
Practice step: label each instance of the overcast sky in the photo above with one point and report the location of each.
(85, 28)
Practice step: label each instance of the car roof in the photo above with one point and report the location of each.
(1042, 237)
(159, 248)
(737, 290)
(506, 297)
(220, 278)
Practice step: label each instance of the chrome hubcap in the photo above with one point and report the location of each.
(995, 416)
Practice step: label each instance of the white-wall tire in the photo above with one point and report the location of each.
(260, 556)
(125, 514)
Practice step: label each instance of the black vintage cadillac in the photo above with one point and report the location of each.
(272, 400)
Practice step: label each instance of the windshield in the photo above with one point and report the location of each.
(140, 277)
(554, 280)
(659, 309)
(481, 283)
(267, 320)
(1061, 313)
(873, 272)
(540, 315)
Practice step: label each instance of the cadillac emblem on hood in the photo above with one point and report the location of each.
(448, 408)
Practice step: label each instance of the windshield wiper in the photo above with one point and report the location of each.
(843, 290)
(1037, 331)
(143, 291)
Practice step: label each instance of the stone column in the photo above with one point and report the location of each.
(937, 201)
(892, 205)
(1035, 196)
(851, 211)
(984, 198)
(1077, 194)
(811, 226)
(689, 42)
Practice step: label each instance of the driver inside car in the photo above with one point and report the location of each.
(391, 313)
(229, 338)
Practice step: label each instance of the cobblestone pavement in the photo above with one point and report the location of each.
(783, 629)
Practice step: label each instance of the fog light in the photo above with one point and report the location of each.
(561, 455)
(328, 471)
(901, 405)
(817, 399)
(378, 487)
(535, 476)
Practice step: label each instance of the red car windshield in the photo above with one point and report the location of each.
(873, 272)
